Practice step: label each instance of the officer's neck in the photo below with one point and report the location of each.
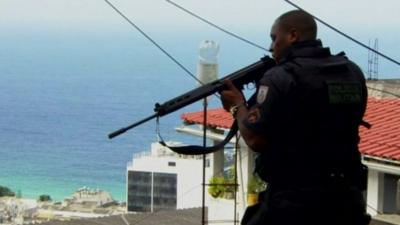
(307, 43)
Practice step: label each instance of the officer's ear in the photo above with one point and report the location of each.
(293, 35)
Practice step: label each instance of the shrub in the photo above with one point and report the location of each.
(217, 187)
(44, 198)
(5, 191)
(255, 185)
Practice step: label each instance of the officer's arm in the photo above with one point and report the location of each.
(233, 97)
(255, 140)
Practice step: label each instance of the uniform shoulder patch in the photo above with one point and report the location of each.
(262, 93)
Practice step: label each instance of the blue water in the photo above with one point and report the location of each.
(62, 92)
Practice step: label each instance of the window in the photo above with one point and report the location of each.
(171, 163)
(208, 164)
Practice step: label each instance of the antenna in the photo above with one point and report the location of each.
(373, 62)
(376, 62)
(369, 62)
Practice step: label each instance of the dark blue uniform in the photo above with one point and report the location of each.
(309, 109)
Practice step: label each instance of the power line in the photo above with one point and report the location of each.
(236, 36)
(216, 26)
(383, 91)
(156, 44)
(316, 18)
(187, 192)
(152, 41)
(296, 6)
(345, 35)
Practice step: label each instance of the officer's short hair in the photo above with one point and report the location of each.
(300, 20)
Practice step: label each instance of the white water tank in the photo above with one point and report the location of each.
(207, 66)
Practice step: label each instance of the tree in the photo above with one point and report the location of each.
(5, 191)
(44, 198)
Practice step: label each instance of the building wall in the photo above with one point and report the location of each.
(375, 192)
(190, 179)
(164, 191)
(188, 172)
(139, 191)
(390, 193)
(383, 88)
(398, 197)
(382, 188)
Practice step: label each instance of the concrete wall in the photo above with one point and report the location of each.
(375, 192)
(189, 175)
(383, 189)
(390, 192)
(382, 88)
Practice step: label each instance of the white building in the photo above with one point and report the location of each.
(223, 211)
(86, 200)
(161, 179)
(380, 148)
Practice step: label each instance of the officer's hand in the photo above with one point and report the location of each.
(232, 96)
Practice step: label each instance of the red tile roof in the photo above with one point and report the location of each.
(382, 140)
(215, 118)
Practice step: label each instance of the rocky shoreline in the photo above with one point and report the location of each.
(83, 203)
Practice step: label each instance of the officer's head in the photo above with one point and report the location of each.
(291, 27)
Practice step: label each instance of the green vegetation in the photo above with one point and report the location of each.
(255, 185)
(217, 187)
(223, 186)
(44, 198)
(5, 191)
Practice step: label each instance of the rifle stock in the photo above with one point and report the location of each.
(246, 75)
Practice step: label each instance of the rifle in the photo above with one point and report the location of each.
(246, 75)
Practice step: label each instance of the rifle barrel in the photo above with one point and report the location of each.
(251, 73)
(124, 129)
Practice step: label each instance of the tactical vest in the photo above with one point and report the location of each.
(317, 126)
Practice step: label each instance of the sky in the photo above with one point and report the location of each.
(364, 20)
(354, 13)
(74, 37)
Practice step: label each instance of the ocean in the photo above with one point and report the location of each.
(62, 92)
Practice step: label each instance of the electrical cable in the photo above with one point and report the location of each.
(296, 6)
(258, 46)
(345, 35)
(240, 38)
(383, 91)
(178, 197)
(152, 41)
(216, 26)
(156, 44)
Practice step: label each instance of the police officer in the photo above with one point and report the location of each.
(303, 123)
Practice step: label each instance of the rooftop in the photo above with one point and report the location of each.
(386, 88)
(216, 118)
(382, 140)
(175, 217)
